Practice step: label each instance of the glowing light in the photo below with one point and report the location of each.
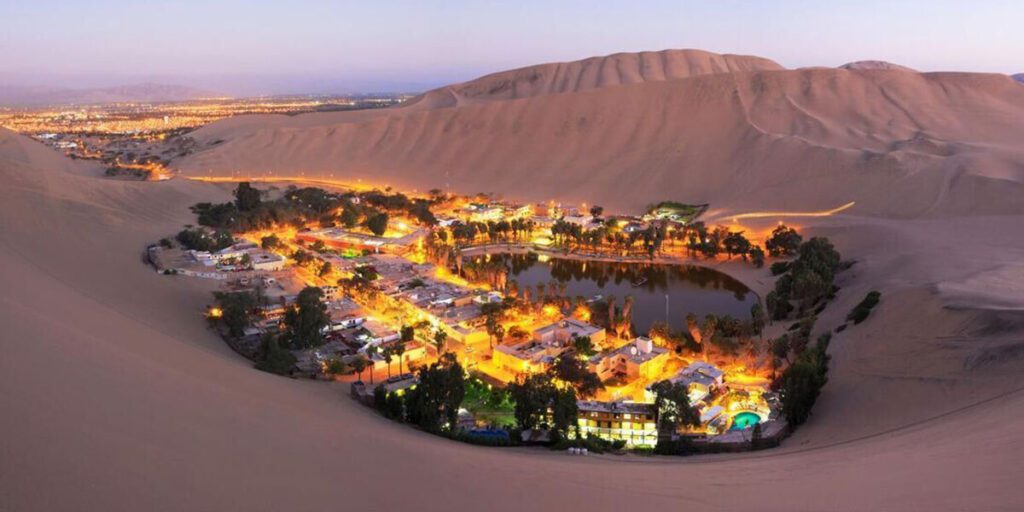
(823, 213)
(215, 313)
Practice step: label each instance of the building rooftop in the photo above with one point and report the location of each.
(639, 351)
(615, 407)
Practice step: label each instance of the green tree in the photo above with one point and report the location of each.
(399, 350)
(439, 340)
(371, 351)
(236, 310)
(803, 380)
(784, 241)
(757, 318)
(246, 197)
(583, 345)
(407, 333)
(532, 397)
(434, 403)
(358, 365)
(349, 217)
(272, 357)
(270, 242)
(491, 326)
(305, 321)
(389, 355)
(378, 224)
(325, 269)
(780, 347)
(672, 404)
(335, 366)
(757, 256)
(564, 410)
(571, 370)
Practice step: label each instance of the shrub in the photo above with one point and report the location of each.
(861, 311)
(779, 267)
(681, 446)
(483, 440)
(199, 239)
(380, 397)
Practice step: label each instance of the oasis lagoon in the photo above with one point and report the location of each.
(661, 292)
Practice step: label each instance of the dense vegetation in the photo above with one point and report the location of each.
(433, 404)
(199, 239)
(305, 320)
(298, 207)
(802, 381)
(236, 310)
(806, 281)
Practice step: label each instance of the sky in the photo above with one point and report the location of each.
(313, 46)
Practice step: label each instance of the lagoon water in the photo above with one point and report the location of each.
(687, 288)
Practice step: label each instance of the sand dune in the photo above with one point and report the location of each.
(117, 397)
(587, 74)
(120, 399)
(539, 80)
(866, 65)
(897, 143)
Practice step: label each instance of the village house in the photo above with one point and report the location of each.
(639, 359)
(701, 379)
(634, 423)
(564, 330)
(528, 357)
(266, 261)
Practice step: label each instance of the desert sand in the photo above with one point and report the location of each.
(117, 397)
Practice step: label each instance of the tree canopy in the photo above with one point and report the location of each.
(305, 320)
(434, 403)
(672, 403)
(784, 241)
(246, 197)
(571, 370)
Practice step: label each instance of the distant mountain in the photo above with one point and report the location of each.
(147, 93)
(867, 65)
(1018, 77)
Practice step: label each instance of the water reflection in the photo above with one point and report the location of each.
(660, 292)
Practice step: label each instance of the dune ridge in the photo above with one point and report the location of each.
(588, 74)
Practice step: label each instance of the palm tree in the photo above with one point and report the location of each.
(499, 333)
(359, 364)
(399, 350)
(439, 338)
(388, 353)
(370, 352)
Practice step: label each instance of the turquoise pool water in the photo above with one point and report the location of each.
(745, 419)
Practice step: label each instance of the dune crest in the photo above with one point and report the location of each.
(591, 73)
(869, 65)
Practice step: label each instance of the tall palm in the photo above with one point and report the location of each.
(388, 353)
(400, 351)
(370, 352)
(439, 338)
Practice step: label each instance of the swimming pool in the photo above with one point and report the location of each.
(744, 420)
